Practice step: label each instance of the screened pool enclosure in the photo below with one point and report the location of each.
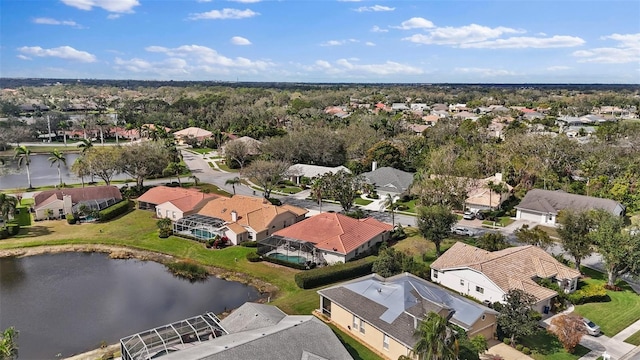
(290, 250)
(199, 227)
(153, 343)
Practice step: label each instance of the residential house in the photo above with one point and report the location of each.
(298, 171)
(431, 120)
(419, 107)
(543, 206)
(388, 180)
(173, 202)
(337, 238)
(440, 107)
(56, 204)
(239, 218)
(253, 145)
(385, 313)
(192, 132)
(253, 331)
(399, 107)
(417, 129)
(488, 276)
(481, 196)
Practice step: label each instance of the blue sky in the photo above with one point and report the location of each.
(508, 41)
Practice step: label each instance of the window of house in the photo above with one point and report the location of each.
(361, 326)
(461, 282)
(435, 274)
(550, 217)
(173, 213)
(480, 290)
(356, 321)
(385, 342)
(484, 317)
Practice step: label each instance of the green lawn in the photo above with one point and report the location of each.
(502, 222)
(411, 206)
(289, 190)
(213, 189)
(551, 231)
(634, 339)
(224, 167)
(615, 315)
(355, 349)
(546, 346)
(201, 150)
(362, 202)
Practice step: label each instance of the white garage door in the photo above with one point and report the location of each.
(523, 215)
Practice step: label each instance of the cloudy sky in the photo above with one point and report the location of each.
(506, 41)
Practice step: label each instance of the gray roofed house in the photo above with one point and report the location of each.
(385, 312)
(542, 206)
(390, 180)
(257, 331)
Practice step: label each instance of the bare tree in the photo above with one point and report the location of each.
(266, 174)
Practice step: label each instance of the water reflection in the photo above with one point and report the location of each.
(69, 303)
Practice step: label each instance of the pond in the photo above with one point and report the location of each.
(69, 303)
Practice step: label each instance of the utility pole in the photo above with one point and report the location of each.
(117, 143)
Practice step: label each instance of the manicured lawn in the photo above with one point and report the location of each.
(213, 189)
(224, 167)
(615, 315)
(502, 222)
(201, 150)
(362, 202)
(545, 346)
(551, 231)
(411, 206)
(355, 349)
(289, 190)
(634, 339)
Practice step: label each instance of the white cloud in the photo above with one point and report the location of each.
(206, 57)
(375, 8)
(369, 43)
(116, 6)
(224, 14)
(351, 67)
(239, 40)
(377, 29)
(63, 52)
(23, 57)
(415, 23)
(50, 21)
(626, 51)
(460, 35)
(338, 42)
(558, 68)
(521, 42)
(113, 16)
(171, 66)
(485, 72)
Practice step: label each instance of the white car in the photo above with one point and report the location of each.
(592, 328)
(459, 230)
(469, 215)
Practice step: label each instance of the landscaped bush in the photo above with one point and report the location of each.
(188, 270)
(13, 229)
(519, 347)
(71, 219)
(330, 274)
(115, 210)
(250, 244)
(253, 257)
(398, 233)
(507, 341)
(275, 201)
(526, 350)
(588, 294)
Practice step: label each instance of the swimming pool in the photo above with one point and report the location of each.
(290, 258)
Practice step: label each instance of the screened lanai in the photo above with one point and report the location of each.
(198, 226)
(92, 205)
(166, 339)
(287, 249)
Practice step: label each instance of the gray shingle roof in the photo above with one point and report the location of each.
(389, 179)
(251, 316)
(546, 201)
(397, 304)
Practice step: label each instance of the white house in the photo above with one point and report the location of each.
(488, 276)
(542, 206)
(298, 171)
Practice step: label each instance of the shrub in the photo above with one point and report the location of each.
(589, 293)
(71, 219)
(253, 257)
(330, 274)
(398, 233)
(507, 341)
(250, 244)
(4, 233)
(526, 350)
(402, 208)
(115, 210)
(13, 229)
(188, 270)
(519, 347)
(275, 201)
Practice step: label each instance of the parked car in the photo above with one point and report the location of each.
(459, 230)
(469, 215)
(480, 215)
(592, 328)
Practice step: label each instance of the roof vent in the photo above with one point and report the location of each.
(379, 290)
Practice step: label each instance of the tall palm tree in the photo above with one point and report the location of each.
(436, 340)
(233, 182)
(64, 126)
(57, 158)
(83, 124)
(8, 205)
(319, 189)
(23, 154)
(175, 168)
(80, 168)
(389, 203)
(85, 145)
(101, 124)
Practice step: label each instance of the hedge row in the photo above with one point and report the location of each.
(284, 263)
(588, 294)
(13, 229)
(330, 274)
(253, 257)
(249, 244)
(116, 210)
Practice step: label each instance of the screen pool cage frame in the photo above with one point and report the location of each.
(196, 226)
(289, 247)
(93, 205)
(162, 340)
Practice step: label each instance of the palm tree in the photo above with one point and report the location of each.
(85, 145)
(101, 123)
(23, 154)
(80, 168)
(195, 179)
(318, 189)
(436, 340)
(9, 344)
(389, 203)
(8, 205)
(64, 126)
(83, 125)
(56, 158)
(233, 182)
(175, 168)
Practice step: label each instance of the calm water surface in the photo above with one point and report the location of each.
(69, 303)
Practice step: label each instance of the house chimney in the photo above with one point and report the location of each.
(374, 165)
(498, 178)
(234, 216)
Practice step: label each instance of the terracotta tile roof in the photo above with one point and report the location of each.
(193, 131)
(191, 201)
(79, 194)
(335, 232)
(510, 268)
(236, 228)
(161, 194)
(254, 212)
